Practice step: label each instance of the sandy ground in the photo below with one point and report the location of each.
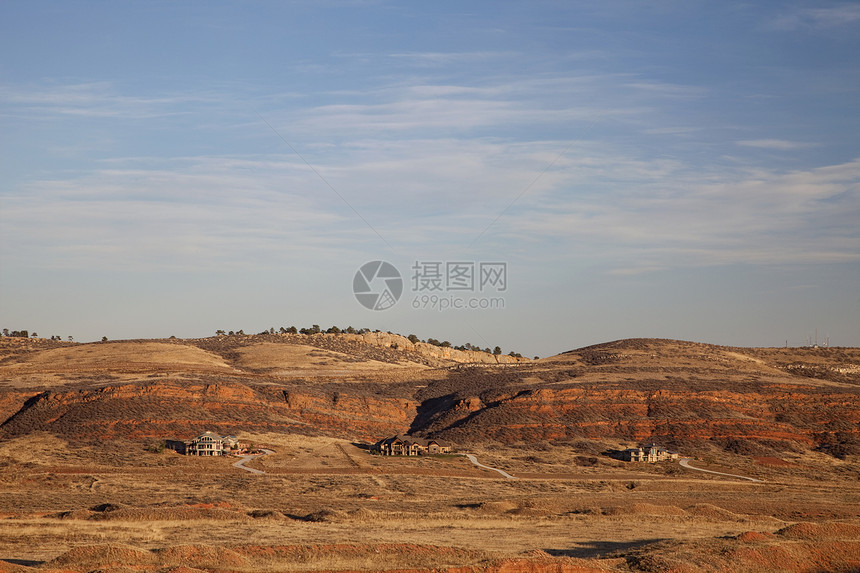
(49, 489)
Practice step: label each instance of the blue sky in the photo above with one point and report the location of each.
(670, 169)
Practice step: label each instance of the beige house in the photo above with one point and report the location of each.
(206, 444)
(401, 445)
(651, 454)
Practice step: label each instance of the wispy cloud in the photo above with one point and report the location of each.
(760, 217)
(429, 162)
(445, 109)
(635, 216)
(449, 58)
(95, 100)
(776, 144)
(818, 18)
(201, 213)
(667, 89)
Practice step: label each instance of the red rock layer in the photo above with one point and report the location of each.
(166, 409)
(774, 412)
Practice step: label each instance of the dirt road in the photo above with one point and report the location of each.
(474, 460)
(685, 462)
(241, 463)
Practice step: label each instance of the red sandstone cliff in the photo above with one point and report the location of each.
(170, 408)
(627, 390)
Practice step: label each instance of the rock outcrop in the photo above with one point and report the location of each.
(668, 391)
(169, 408)
(768, 413)
(377, 384)
(438, 353)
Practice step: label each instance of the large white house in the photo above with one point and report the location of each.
(206, 444)
(651, 454)
(410, 446)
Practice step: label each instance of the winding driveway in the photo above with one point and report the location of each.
(474, 460)
(685, 462)
(241, 463)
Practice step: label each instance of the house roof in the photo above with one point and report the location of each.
(208, 434)
(647, 448)
(413, 440)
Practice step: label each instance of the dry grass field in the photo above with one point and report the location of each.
(303, 360)
(324, 503)
(339, 508)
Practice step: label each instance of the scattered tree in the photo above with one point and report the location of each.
(412, 338)
(497, 350)
(156, 447)
(219, 333)
(104, 338)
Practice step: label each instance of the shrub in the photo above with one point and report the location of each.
(156, 447)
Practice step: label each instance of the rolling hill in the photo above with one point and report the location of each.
(678, 393)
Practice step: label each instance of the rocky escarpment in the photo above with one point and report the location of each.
(668, 391)
(169, 408)
(633, 390)
(613, 410)
(379, 346)
(435, 352)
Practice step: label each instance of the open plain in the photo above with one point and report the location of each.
(86, 484)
